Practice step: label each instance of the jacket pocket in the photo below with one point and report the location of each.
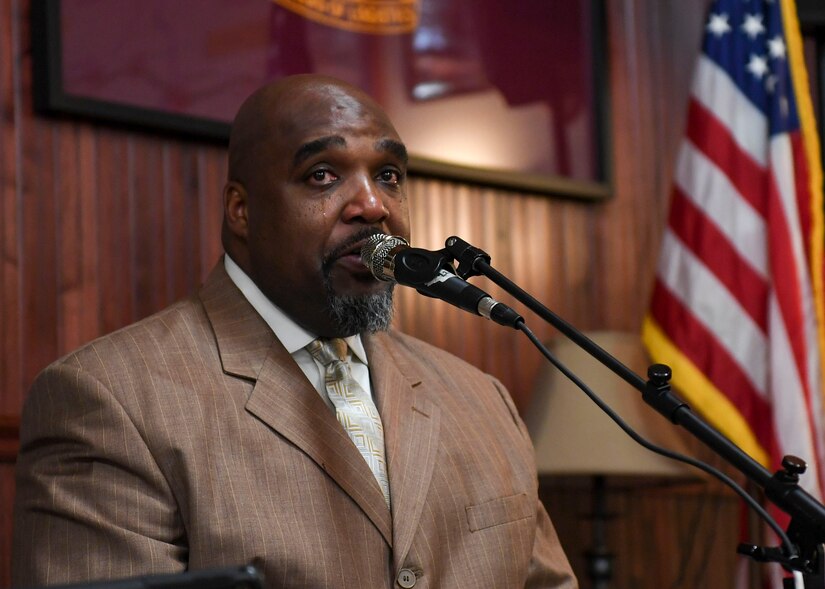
(499, 511)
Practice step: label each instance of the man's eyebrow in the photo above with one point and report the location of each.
(394, 147)
(310, 148)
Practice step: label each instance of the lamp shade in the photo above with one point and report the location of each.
(572, 436)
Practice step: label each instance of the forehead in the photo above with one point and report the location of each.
(306, 117)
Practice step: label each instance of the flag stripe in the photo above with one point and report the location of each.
(803, 194)
(711, 190)
(691, 283)
(794, 296)
(716, 91)
(711, 137)
(786, 250)
(788, 413)
(701, 347)
(705, 396)
(705, 240)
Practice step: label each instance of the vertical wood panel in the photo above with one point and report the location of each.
(38, 258)
(182, 230)
(10, 364)
(102, 226)
(658, 535)
(212, 177)
(75, 201)
(6, 498)
(146, 203)
(113, 231)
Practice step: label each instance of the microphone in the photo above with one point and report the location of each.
(391, 259)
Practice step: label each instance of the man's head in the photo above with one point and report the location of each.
(315, 167)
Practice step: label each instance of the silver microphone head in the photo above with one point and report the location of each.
(377, 255)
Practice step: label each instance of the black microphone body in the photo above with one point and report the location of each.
(391, 258)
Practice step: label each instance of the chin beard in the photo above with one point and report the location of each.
(360, 314)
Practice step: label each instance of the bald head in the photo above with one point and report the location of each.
(281, 108)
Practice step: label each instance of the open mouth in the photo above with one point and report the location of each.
(349, 253)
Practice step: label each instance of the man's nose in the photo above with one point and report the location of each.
(366, 204)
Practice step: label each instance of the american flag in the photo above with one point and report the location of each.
(737, 305)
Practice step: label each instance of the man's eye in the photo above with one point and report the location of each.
(390, 176)
(322, 176)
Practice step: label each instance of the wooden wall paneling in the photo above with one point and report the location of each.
(473, 342)
(9, 445)
(6, 498)
(10, 282)
(194, 209)
(147, 229)
(179, 228)
(683, 531)
(464, 223)
(427, 204)
(539, 258)
(523, 228)
(38, 262)
(661, 536)
(112, 229)
(489, 220)
(90, 287)
(10, 365)
(77, 246)
(576, 240)
(35, 218)
(211, 168)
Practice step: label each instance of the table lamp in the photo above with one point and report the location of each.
(573, 437)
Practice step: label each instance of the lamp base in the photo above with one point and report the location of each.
(599, 559)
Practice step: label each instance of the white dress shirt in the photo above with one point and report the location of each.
(294, 337)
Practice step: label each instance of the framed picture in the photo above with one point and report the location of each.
(502, 93)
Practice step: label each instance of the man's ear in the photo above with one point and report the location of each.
(235, 208)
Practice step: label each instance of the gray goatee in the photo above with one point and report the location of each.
(360, 314)
(357, 314)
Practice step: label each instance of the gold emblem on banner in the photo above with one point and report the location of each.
(380, 17)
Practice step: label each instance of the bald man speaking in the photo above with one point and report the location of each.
(275, 417)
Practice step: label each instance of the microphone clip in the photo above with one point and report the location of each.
(417, 267)
(466, 255)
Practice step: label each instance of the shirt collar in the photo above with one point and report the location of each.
(292, 336)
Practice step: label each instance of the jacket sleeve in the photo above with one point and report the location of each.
(91, 501)
(549, 567)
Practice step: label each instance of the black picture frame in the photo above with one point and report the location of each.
(51, 98)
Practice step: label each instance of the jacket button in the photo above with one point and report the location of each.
(406, 578)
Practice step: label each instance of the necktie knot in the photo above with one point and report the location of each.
(327, 351)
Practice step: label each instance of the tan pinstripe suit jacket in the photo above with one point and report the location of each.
(193, 439)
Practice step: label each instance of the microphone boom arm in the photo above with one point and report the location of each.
(807, 528)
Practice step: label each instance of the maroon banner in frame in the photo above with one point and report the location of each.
(482, 90)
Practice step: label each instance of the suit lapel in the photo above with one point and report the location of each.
(411, 429)
(286, 402)
(283, 398)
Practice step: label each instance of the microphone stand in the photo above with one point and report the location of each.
(807, 526)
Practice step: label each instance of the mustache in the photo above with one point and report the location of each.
(346, 246)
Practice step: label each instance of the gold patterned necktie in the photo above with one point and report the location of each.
(354, 407)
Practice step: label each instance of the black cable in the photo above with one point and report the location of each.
(790, 550)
